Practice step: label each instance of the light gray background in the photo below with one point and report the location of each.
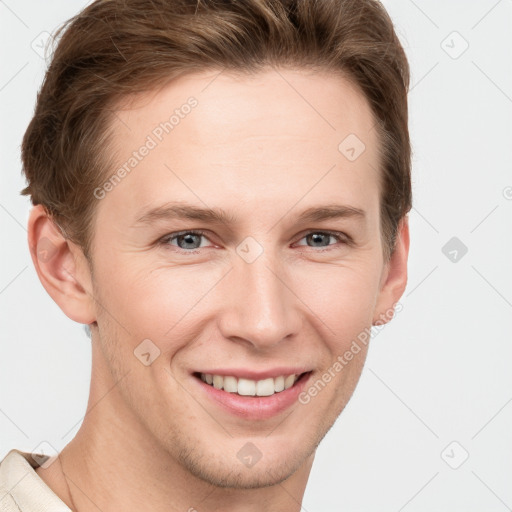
(440, 372)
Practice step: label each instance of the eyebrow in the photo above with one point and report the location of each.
(178, 211)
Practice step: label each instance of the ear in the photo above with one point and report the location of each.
(61, 266)
(394, 276)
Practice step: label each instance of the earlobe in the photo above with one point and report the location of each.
(61, 266)
(394, 278)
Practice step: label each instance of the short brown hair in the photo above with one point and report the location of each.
(116, 48)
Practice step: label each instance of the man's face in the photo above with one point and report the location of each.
(261, 293)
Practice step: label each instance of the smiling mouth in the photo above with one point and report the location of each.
(248, 387)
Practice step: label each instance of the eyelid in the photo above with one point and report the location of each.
(170, 236)
(340, 236)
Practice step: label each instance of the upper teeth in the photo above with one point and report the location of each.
(247, 387)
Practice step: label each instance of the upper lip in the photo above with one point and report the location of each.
(245, 373)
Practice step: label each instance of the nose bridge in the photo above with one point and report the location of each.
(261, 308)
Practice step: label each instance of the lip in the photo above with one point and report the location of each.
(244, 373)
(254, 407)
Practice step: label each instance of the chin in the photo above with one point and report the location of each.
(227, 471)
(244, 478)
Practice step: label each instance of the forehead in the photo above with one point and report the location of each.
(259, 103)
(260, 136)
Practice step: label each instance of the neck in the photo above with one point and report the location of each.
(123, 473)
(114, 463)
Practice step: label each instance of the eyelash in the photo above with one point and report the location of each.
(339, 236)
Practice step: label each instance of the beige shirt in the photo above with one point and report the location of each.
(21, 488)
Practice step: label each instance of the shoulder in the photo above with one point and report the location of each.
(21, 488)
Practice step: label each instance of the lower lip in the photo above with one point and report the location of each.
(255, 407)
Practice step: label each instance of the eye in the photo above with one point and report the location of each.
(189, 241)
(323, 238)
(185, 240)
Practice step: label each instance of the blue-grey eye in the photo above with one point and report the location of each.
(189, 241)
(320, 239)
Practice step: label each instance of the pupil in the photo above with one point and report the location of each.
(317, 237)
(188, 240)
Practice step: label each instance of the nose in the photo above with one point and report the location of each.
(260, 308)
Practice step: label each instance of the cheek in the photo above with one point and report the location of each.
(342, 298)
(163, 302)
(154, 301)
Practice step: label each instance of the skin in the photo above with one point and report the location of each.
(262, 152)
